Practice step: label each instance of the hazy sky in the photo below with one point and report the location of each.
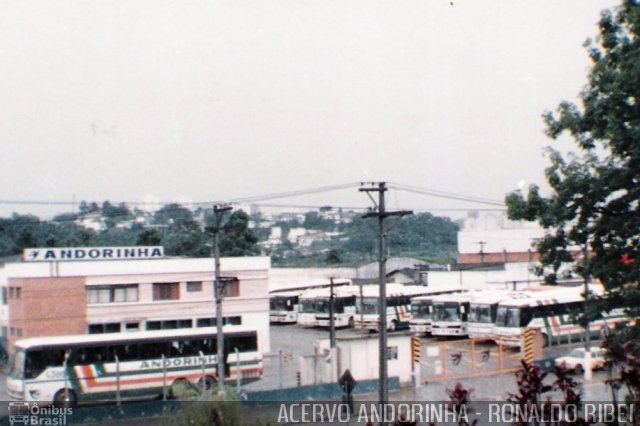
(216, 100)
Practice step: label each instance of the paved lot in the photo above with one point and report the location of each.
(289, 342)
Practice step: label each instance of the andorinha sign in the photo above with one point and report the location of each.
(92, 253)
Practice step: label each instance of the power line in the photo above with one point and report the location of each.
(448, 195)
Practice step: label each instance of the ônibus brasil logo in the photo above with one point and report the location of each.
(29, 413)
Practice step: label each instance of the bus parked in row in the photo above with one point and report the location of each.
(552, 312)
(450, 313)
(283, 306)
(483, 312)
(422, 312)
(314, 307)
(105, 367)
(399, 305)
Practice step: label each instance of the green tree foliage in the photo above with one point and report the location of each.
(421, 235)
(313, 220)
(236, 238)
(595, 199)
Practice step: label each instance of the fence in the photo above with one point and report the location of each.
(465, 358)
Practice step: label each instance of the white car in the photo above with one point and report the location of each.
(575, 359)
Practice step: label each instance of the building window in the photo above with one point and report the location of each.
(392, 352)
(132, 326)
(232, 320)
(205, 322)
(110, 327)
(154, 325)
(169, 324)
(166, 291)
(231, 288)
(4, 295)
(211, 322)
(112, 294)
(15, 292)
(193, 286)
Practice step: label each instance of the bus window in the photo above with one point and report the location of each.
(39, 360)
(85, 356)
(189, 348)
(151, 350)
(123, 352)
(207, 346)
(16, 366)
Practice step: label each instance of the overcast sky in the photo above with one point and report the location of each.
(216, 100)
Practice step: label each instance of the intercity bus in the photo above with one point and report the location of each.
(421, 314)
(399, 297)
(550, 312)
(314, 307)
(283, 306)
(106, 367)
(483, 312)
(450, 314)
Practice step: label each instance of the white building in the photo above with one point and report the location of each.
(101, 296)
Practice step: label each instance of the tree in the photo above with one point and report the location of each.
(595, 193)
(236, 238)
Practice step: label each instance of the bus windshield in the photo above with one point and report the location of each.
(368, 306)
(480, 313)
(421, 310)
(445, 311)
(280, 304)
(16, 368)
(508, 317)
(307, 306)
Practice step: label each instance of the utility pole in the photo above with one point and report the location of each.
(381, 214)
(587, 332)
(218, 214)
(482, 243)
(332, 321)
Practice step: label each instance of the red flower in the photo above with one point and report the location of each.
(626, 260)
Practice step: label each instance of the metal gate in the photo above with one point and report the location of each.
(465, 358)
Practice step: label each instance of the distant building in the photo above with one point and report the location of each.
(490, 238)
(104, 296)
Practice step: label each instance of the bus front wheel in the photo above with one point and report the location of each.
(393, 326)
(65, 398)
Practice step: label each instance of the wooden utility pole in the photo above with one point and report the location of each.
(482, 243)
(381, 214)
(218, 214)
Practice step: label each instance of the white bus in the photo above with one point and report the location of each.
(283, 306)
(104, 367)
(450, 314)
(483, 312)
(551, 313)
(399, 297)
(422, 311)
(284, 303)
(314, 307)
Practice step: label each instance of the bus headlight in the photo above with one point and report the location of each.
(34, 393)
